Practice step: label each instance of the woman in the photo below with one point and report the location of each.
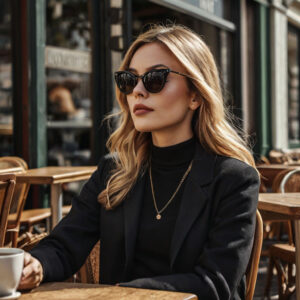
(174, 203)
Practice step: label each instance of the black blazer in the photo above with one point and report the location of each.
(210, 247)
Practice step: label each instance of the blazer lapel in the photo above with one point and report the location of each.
(193, 199)
(132, 207)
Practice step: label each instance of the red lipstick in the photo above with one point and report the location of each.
(140, 109)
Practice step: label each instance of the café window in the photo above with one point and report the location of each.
(293, 86)
(68, 68)
(6, 109)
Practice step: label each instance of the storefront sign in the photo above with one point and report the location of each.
(66, 59)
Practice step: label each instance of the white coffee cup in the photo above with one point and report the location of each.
(11, 266)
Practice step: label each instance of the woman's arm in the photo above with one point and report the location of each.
(222, 263)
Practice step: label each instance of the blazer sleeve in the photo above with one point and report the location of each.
(64, 251)
(222, 262)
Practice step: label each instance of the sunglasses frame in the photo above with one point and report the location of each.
(135, 77)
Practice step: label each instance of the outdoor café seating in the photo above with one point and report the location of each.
(285, 156)
(16, 217)
(282, 256)
(89, 273)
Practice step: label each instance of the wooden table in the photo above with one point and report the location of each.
(77, 291)
(285, 206)
(55, 176)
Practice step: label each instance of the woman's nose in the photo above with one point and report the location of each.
(139, 90)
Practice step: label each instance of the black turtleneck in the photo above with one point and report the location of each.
(154, 236)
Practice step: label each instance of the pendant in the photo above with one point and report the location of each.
(158, 216)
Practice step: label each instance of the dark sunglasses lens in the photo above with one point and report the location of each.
(154, 80)
(125, 82)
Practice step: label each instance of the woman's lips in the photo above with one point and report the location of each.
(140, 109)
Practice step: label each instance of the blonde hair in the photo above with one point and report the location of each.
(212, 124)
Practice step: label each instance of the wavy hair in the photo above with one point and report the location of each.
(211, 123)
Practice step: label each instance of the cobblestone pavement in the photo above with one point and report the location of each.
(261, 281)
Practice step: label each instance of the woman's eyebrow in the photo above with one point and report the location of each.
(148, 68)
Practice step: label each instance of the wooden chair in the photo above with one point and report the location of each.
(29, 240)
(18, 217)
(7, 186)
(285, 156)
(89, 272)
(252, 268)
(282, 256)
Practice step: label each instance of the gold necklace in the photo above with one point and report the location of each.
(158, 212)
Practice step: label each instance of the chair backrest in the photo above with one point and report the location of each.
(285, 156)
(15, 165)
(252, 268)
(277, 180)
(7, 185)
(290, 182)
(13, 161)
(90, 271)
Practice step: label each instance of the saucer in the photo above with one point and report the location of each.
(15, 295)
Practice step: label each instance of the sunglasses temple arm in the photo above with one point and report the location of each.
(185, 75)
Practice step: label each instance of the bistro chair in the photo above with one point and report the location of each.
(7, 186)
(18, 217)
(282, 256)
(287, 156)
(89, 272)
(252, 268)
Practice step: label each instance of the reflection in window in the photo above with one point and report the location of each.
(68, 89)
(293, 85)
(6, 115)
(68, 44)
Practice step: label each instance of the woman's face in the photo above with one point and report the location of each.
(167, 114)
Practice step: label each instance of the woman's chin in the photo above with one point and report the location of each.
(143, 127)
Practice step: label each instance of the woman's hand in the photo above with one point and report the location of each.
(32, 274)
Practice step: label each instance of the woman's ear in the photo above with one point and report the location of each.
(194, 102)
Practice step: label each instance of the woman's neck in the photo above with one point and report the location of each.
(161, 140)
(175, 155)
